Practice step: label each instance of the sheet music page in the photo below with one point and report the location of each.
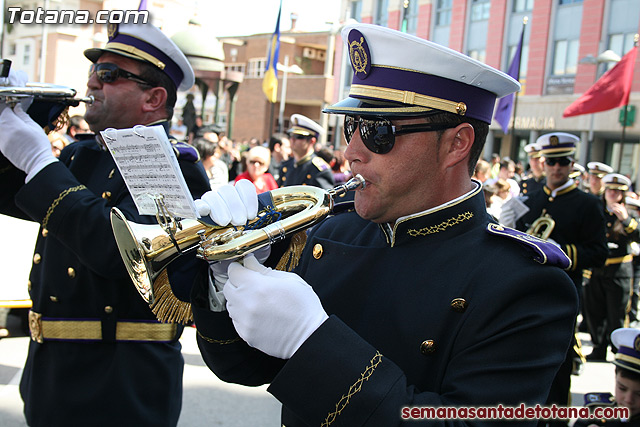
(150, 168)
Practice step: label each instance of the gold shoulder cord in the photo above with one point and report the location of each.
(57, 201)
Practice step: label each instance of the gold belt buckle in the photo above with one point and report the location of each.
(35, 326)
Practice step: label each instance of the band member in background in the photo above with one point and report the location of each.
(579, 230)
(536, 179)
(606, 294)
(597, 171)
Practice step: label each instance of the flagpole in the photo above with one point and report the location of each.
(515, 98)
(624, 116)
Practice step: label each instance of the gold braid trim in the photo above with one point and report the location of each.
(57, 201)
(442, 226)
(167, 307)
(291, 257)
(221, 342)
(355, 388)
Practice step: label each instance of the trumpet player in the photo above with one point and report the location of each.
(97, 354)
(606, 294)
(395, 304)
(578, 227)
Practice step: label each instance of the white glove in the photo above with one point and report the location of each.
(273, 311)
(17, 78)
(235, 204)
(218, 276)
(23, 142)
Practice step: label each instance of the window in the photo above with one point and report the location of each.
(565, 57)
(382, 13)
(256, 67)
(410, 16)
(620, 44)
(522, 6)
(524, 59)
(234, 67)
(356, 10)
(443, 13)
(480, 10)
(569, 1)
(12, 49)
(26, 57)
(479, 55)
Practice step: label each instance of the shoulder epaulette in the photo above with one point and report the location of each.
(320, 163)
(185, 151)
(542, 251)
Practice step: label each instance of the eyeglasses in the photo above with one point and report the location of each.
(259, 162)
(562, 161)
(109, 73)
(378, 134)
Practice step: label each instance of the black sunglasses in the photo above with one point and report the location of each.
(109, 73)
(378, 134)
(562, 161)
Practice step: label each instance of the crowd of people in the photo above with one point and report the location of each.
(391, 303)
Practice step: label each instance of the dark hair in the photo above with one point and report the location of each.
(276, 139)
(74, 121)
(205, 147)
(480, 128)
(326, 154)
(153, 74)
(627, 373)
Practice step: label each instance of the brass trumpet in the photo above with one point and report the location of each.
(147, 249)
(44, 92)
(542, 227)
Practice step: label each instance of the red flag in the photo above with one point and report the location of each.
(610, 91)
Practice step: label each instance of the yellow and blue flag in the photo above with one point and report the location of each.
(270, 81)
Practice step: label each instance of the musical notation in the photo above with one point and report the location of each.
(149, 167)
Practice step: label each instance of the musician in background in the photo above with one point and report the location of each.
(396, 304)
(305, 167)
(606, 294)
(578, 230)
(597, 171)
(535, 180)
(97, 355)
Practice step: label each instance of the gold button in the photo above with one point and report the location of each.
(108, 309)
(308, 176)
(427, 347)
(71, 272)
(37, 258)
(29, 285)
(106, 195)
(53, 298)
(551, 199)
(284, 170)
(608, 224)
(284, 178)
(317, 251)
(111, 173)
(459, 305)
(45, 232)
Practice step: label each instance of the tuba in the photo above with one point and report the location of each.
(147, 249)
(542, 227)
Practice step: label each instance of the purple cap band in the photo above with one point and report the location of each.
(629, 352)
(171, 68)
(479, 102)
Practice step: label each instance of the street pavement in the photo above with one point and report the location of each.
(207, 401)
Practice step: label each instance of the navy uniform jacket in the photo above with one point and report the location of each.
(579, 226)
(310, 170)
(446, 310)
(531, 185)
(78, 275)
(619, 261)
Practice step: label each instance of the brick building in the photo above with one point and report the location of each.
(562, 40)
